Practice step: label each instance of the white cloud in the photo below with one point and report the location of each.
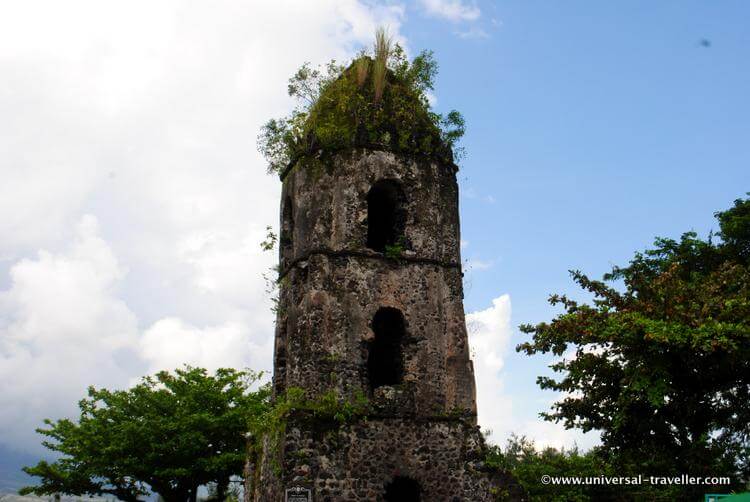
(545, 434)
(431, 99)
(489, 339)
(474, 32)
(170, 343)
(490, 336)
(471, 193)
(474, 264)
(62, 328)
(452, 10)
(142, 116)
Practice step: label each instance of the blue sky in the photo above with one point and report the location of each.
(592, 128)
(134, 200)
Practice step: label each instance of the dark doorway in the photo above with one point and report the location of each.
(403, 489)
(385, 215)
(385, 359)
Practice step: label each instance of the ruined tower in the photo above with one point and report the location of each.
(371, 307)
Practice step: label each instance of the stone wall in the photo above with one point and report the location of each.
(325, 208)
(324, 329)
(356, 462)
(332, 284)
(423, 425)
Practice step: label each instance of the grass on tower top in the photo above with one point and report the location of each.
(379, 100)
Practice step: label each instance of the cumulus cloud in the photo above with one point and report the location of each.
(474, 264)
(129, 160)
(489, 339)
(474, 32)
(62, 328)
(555, 435)
(490, 336)
(452, 10)
(171, 342)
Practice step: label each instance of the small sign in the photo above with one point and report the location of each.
(298, 494)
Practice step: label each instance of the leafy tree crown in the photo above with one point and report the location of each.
(659, 362)
(170, 434)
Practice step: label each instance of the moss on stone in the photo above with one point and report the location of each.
(347, 114)
(379, 104)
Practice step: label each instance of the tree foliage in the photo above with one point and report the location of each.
(661, 365)
(326, 411)
(377, 101)
(170, 434)
(528, 464)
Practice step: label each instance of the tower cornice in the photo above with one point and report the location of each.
(366, 148)
(344, 253)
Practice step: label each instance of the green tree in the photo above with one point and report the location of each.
(659, 361)
(529, 464)
(169, 434)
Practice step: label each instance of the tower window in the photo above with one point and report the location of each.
(403, 489)
(385, 214)
(385, 359)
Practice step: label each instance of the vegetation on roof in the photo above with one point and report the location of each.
(380, 100)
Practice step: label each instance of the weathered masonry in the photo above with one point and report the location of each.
(371, 304)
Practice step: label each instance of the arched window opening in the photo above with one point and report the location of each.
(403, 489)
(385, 364)
(385, 215)
(287, 229)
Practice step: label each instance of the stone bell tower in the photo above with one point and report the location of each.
(371, 304)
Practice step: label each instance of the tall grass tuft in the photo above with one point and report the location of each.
(362, 66)
(380, 66)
